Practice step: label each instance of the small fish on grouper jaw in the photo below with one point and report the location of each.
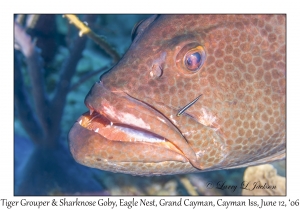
(144, 115)
(188, 106)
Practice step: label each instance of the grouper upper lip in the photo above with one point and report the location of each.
(114, 113)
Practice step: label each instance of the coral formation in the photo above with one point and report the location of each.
(263, 180)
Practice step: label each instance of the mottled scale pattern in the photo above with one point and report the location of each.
(240, 118)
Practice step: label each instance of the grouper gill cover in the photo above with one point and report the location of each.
(237, 63)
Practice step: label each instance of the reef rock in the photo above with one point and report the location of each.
(263, 180)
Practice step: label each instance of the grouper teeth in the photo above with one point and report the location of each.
(80, 122)
(91, 111)
(97, 130)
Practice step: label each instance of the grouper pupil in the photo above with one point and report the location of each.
(193, 61)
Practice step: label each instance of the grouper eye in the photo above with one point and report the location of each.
(194, 58)
(191, 58)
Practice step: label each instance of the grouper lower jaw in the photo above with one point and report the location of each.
(91, 149)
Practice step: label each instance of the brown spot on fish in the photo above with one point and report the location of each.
(246, 58)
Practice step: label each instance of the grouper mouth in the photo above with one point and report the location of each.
(119, 128)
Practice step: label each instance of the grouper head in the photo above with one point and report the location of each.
(143, 117)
